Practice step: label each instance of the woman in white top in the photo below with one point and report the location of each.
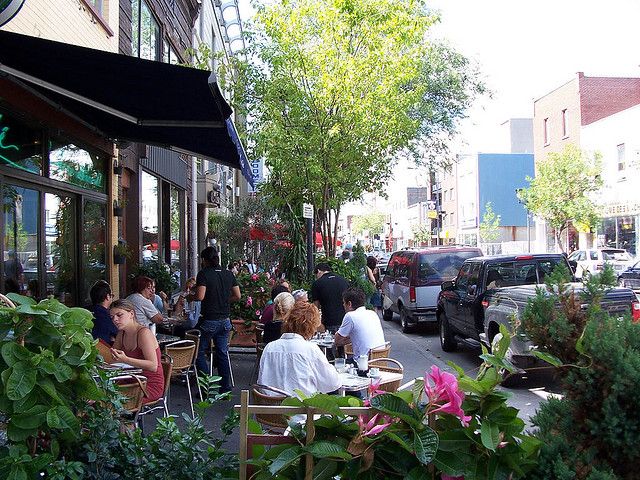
(293, 362)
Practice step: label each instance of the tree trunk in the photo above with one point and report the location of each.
(558, 234)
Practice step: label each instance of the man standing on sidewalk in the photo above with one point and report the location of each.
(326, 292)
(215, 288)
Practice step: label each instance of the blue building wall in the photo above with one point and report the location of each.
(499, 175)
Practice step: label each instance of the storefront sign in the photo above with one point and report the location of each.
(9, 9)
(618, 209)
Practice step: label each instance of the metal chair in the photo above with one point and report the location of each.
(133, 388)
(388, 365)
(270, 396)
(166, 363)
(377, 352)
(183, 353)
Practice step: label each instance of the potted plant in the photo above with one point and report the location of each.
(120, 253)
(255, 290)
(118, 208)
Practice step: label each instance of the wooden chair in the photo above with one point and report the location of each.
(104, 350)
(182, 353)
(266, 395)
(163, 402)
(388, 365)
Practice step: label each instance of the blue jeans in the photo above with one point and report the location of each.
(218, 330)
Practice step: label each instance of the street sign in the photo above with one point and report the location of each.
(432, 214)
(307, 210)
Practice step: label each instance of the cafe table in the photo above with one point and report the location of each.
(164, 340)
(355, 383)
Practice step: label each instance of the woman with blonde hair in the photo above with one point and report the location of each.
(282, 305)
(293, 362)
(137, 346)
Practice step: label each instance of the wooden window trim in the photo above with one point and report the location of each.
(98, 18)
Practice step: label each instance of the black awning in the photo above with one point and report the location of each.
(125, 97)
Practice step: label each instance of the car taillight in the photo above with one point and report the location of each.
(412, 294)
(635, 311)
(485, 303)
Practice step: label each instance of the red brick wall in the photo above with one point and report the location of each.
(604, 96)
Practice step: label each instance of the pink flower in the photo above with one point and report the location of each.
(258, 313)
(444, 394)
(249, 301)
(374, 390)
(370, 428)
(254, 276)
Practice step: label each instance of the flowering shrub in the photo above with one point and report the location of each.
(255, 291)
(447, 427)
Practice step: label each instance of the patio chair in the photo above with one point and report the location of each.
(133, 388)
(163, 402)
(182, 353)
(5, 302)
(388, 365)
(259, 350)
(104, 350)
(270, 396)
(382, 351)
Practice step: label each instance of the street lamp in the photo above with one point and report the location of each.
(521, 202)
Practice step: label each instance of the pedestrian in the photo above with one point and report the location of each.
(360, 327)
(373, 276)
(326, 293)
(215, 288)
(101, 298)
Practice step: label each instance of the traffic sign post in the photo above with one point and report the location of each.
(307, 214)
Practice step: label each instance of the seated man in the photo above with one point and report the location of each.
(294, 363)
(360, 327)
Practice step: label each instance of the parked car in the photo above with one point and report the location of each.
(412, 282)
(493, 291)
(593, 260)
(630, 277)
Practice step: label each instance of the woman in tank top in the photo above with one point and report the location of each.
(137, 346)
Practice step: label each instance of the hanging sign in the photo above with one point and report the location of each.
(9, 9)
(307, 210)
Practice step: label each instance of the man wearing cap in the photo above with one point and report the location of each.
(326, 293)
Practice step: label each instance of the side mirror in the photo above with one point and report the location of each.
(448, 285)
(471, 290)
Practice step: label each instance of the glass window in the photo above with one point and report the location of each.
(20, 256)
(621, 157)
(546, 267)
(525, 274)
(97, 4)
(20, 146)
(149, 216)
(176, 227)
(463, 277)
(93, 256)
(145, 32)
(593, 255)
(565, 123)
(545, 126)
(505, 274)
(60, 255)
(75, 165)
(442, 266)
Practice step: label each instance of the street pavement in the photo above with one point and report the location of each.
(416, 351)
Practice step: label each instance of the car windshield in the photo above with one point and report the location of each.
(616, 255)
(442, 266)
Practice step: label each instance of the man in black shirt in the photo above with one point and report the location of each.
(326, 292)
(215, 289)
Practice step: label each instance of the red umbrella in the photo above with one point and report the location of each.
(319, 240)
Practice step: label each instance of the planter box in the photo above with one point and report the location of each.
(244, 335)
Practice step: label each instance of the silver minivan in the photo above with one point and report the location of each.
(412, 282)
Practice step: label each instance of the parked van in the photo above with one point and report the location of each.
(412, 282)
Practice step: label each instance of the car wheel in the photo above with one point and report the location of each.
(404, 322)
(447, 340)
(387, 315)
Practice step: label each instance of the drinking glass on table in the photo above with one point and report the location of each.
(340, 365)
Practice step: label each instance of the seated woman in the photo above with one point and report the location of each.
(282, 305)
(144, 291)
(137, 346)
(293, 362)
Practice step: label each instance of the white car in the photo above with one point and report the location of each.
(593, 261)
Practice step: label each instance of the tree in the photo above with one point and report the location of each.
(421, 233)
(374, 222)
(335, 90)
(490, 225)
(560, 191)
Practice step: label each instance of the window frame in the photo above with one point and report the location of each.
(565, 123)
(545, 131)
(159, 37)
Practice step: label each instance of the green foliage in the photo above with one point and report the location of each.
(490, 225)
(421, 233)
(410, 438)
(353, 271)
(373, 222)
(591, 433)
(160, 272)
(336, 90)
(256, 292)
(559, 193)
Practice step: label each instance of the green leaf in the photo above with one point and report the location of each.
(452, 463)
(490, 435)
(64, 418)
(62, 372)
(31, 311)
(31, 419)
(325, 469)
(453, 440)
(13, 353)
(547, 357)
(286, 458)
(16, 434)
(21, 381)
(20, 299)
(417, 473)
(417, 390)
(17, 472)
(425, 443)
(326, 449)
(393, 405)
(325, 403)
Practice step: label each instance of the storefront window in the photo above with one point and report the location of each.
(145, 32)
(75, 165)
(149, 216)
(60, 232)
(176, 227)
(620, 232)
(20, 146)
(93, 245)
(21, 207)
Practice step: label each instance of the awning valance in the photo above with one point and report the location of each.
(128, 98)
